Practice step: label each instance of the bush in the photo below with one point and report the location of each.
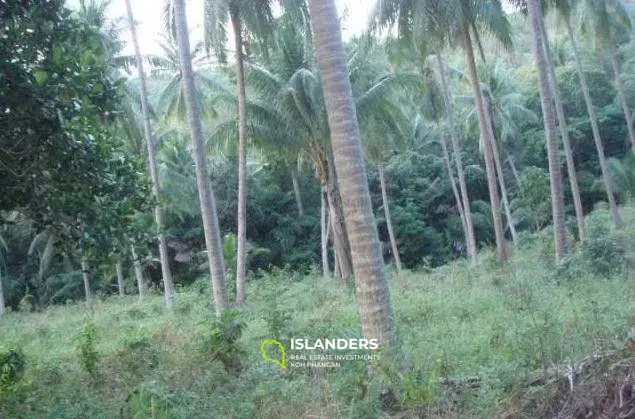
(220, 341)
(85, 348)
(603, 249)
(12, 363)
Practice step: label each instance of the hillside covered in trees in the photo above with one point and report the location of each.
(455, 185)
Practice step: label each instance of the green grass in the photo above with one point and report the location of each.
(497, 324)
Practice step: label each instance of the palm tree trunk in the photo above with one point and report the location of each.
(142, 285)
(488, 154)
(86, 277)
(324, 233)
(512, 165)
(621, 90)
(455, 191)
(503, 187)
(296, 189)
(372, 293)
(242, 158)
(595, 128)
(205, 192)
(456, 148)
(340, 236)
(557, 201)
(152, 163)
(564, 132)
(384, 200)
(120, 285)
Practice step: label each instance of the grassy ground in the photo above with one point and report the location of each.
(489, 326)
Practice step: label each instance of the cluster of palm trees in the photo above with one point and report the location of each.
(307, 98)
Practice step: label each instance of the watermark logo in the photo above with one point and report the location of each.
(269, 343)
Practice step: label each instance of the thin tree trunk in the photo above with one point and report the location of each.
(242, 158)
(503, 187)
(391, 232)
(152, 163)
(595, 128)
(340, 236)
(205, 191)
(296, 189)
(142, 285)
(455, 191)
(120, 285)
(456, 148)
(86, 277)
(372, 293)
(510, 160)
(621, 90)
(557, 201)
(2, 304)
(564, 132)
(488, 153)
(324, 233)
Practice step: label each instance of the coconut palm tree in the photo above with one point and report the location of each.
(565, 9)
(168, 287)
(557, 203)
(247, 17)
(205, 191)
(458, 22)
(564, 132)
(384, 15)
(373, 296)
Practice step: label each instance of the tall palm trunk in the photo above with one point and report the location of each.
(120, 286)
(152, 163)
(142, 284)
(557, 201)
(595, 128)
(296, 189)
(470, 239)
(324, 232)
(205, 192)
(391, 231)
(372, 293)
(86, 277)
(455, 191)
(564, 132)
(488, 153)
(503, 187)
(621, 91)
(242, 157)
(340, 237)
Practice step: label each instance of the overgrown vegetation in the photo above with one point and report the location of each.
(478, 336)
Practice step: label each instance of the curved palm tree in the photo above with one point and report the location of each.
(205, 191)
(373, 297)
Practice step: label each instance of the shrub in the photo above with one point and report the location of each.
(603, 249)
(12, 363)
(220, 341)
(85, 348)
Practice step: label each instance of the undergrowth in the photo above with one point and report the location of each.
(471, 336)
